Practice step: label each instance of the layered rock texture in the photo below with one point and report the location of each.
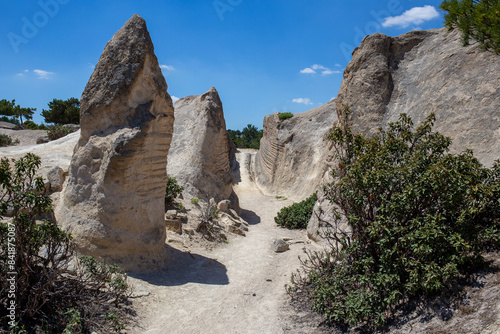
(202, 155)
(292, 159)
(419, 73)
(114, 198)
(423, 72)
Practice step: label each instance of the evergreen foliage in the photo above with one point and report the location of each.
(478, 19)
(249, 137)
(419, 217)
(9, 108)
(63, 111)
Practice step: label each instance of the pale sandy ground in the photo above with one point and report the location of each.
(235, 288)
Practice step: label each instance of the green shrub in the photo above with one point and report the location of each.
(297, 215)
(12, 120)
(195, 200)
(475, 19)
(52, 291)
(6, 140)
(173, 190)
(285, 115)
(58, 131)
(419, 217)
(30, 125)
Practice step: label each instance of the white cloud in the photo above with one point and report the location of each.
(174, 98)
(308, 70)
(319, 68)
(43, 74)
(306, 101)
(167, 67)
(416, 15)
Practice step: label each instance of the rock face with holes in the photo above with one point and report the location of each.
(202, 155)
(114, 198)
(292, 159)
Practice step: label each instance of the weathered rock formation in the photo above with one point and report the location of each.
(419, 73)
(202, 155)
(292, 159)
(114, 198)
(423, 72)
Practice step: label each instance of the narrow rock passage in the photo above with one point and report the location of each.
(235, 288)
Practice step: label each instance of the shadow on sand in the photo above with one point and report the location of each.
(184, 267)
(250, 217)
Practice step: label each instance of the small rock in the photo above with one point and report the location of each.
(183, 217)
(280, 245)
(174, 225)
(233, 213)
(212, 202)
(56, 178)
(224, 205)
(236, 230)
(188, 230)
(42, 140)
(171, 214)
(139, 290)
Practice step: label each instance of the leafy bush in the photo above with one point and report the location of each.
(173, 190)
(58, 131)
(297, 215)
(475, 19)
(43, 286)
(6, 140)
(419, 217)
(285, 115)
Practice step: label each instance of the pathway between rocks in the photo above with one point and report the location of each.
(235, 288)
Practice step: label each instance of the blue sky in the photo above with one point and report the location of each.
(262, 56)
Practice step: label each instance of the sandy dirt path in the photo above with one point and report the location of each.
(235, 288)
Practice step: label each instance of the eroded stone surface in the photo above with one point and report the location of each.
(292, 159)
(202, 154)
(114, 199)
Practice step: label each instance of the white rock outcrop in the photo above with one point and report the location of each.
(113, 202)
(202, 155)
(293, 155)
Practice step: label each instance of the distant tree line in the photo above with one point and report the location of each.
(249, 137)
(59, 112)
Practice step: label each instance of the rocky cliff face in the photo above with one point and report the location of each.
(423, 72)
(114, 199)
(292, 158)
(202, 155)
(419, 73)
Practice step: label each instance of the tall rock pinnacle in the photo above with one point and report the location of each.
(114, 199)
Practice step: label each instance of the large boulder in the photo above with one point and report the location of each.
(113, 202)
(292, 159)
(419, 73)
(423, 72)
(202, 155)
